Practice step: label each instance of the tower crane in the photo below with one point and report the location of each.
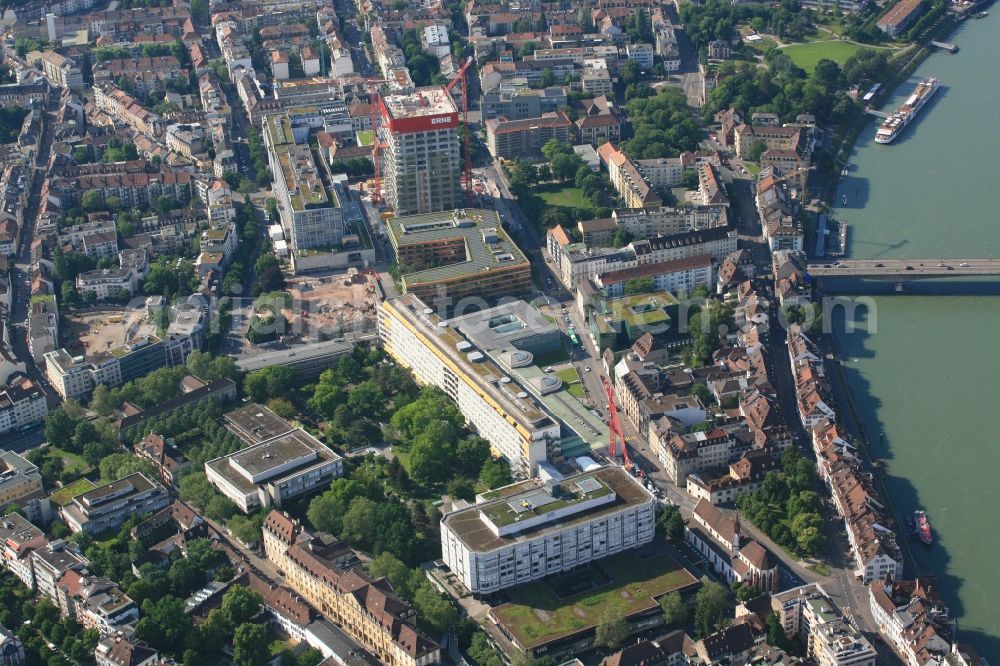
(615, 434)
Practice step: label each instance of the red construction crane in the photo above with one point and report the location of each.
(376, 114)
(466, 178)
(614, 427)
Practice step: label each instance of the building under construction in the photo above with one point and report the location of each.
(421, 160)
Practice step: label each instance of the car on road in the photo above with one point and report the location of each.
(909, 268)
(879, 265)
(964, 265)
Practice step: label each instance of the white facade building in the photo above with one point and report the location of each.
(517, 426)
(532, 529)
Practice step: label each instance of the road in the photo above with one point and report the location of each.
(22, 260)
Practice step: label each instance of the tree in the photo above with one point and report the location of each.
(565, 166)
(639, 286)
(309, 657)
(548, 77)
(59, 427)
(434, 610)
(102, 400)
(495, 473)
(671, 523)
(275, 381)
(630, 72)
(210, 368)
(461, 488)
(689, 179)
(250, 645)
(710, 605)
(430, 455)
(471, 453)
(389, 566)
(675, 611)
(359, 522)
(703, 393)
(241, 604)
(326, 511)
(164, 624)
(92, 201)
(612, 630)
(756, 149)
(745, 592)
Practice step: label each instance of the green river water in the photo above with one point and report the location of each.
(926, 376)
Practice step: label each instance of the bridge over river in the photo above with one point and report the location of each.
(897, 270)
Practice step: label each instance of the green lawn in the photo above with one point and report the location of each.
(62, 496)
(807, 55)
(753, 168)
(74, 462)
(762, 46)
(536, 615)
(568, 375)
(565, 196)
(576, 390)
(819, 568)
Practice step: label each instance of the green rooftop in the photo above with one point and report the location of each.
(469, 225)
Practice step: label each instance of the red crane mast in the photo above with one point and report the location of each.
(614, 427)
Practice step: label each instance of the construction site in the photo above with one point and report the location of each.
(95, 331)
(331, 306)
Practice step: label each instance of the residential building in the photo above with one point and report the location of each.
(123, 107)
(421, 160)
(900, 17)
(674, 276)
(640, 53)
(789, 164)
(118, 651)
(434, 40)
(108, 506)
(533, 529)
(696, 452)
(308, 204)
(710, 189)
(458, 253)
(519, 103)
(717, 536)
(512, 139)
(516, 425)
(22, 403)
(808, 615)
(60, 71)
(773, 138)
(275, 471)
(668, 220)
(663, 172)
(627, 179)
(599, 121)
(95, 602)
(719, 49)
(828, 6)
(18, 538)
(164, 456)
(914, 620)
(50, 561)
(367, 610)
(746, 475)
(43, 326)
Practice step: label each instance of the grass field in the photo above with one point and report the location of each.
(807, 55)
(73, 462)
(536, 615)
(565, 196)
(62, 496)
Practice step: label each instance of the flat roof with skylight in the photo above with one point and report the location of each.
(530, 509)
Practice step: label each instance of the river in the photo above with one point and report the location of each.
(926, 376)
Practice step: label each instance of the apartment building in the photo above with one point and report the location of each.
(135, 190)
(146, 75)
(512, 139)
(421, 161)
(108, 506)
(43, 327)
(900, 17)
(50, 561)
(808, 615)
(669, 220)
(674, 276)
(516, 425)
(746, 475)
(691, 453)
(627, 179)
(275, 471)
(576, 263)
(22, 404)
(95, 602)
(18, 538)
(164, 456)
(60, 71)
(533, 529)
(310, 209)
(367, 610)
(914, 620)
(520, 103)
(773, 138)
(123, 107)
(456, 254)
(710, 189)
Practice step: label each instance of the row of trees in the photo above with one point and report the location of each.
(715, 20)
(787, 507)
